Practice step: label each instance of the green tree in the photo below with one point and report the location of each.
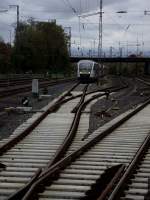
(5, 57)
(41, 47)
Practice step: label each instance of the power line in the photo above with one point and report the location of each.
(110, 24)
(71, 7)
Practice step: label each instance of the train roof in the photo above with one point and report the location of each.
(86, 61)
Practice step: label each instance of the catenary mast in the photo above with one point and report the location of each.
(100, 46)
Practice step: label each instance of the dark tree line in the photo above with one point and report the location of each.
(40, 47)
(5, 57)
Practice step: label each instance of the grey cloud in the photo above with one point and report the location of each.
(114, 24)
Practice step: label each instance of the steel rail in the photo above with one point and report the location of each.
(8, 145)
(101, 186)
(71, 134)
(52, 108)
(112, 182)
(125, 85)
(88, 93)
(16, 82)
(143, 81)
(59, 154)
(61, 151)
(130, 169)
(53, 171)
(10, 92)
(49, 175)
(67, 142)
(68, 139)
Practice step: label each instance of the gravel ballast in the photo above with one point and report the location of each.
(10, 119)
(102, 111)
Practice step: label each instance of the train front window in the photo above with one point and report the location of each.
(85, 67)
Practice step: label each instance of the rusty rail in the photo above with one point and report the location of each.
(27, 87)
(53, 108)
(130, 169)
(49, 175)
(71, 134)
(61, 151)
(67, 142)
(8, 145)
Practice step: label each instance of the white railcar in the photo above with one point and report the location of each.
(89, 71)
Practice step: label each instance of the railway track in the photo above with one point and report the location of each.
(135, 183)
(25, 81)
(24, 130)
(37, 150)
(6, 83)
(144, 81)
(21, 163)
(27, 87)
(107, 152)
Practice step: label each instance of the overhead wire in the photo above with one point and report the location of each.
(67, 2)
(124, 27)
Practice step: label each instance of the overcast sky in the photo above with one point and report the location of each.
(118, 29)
